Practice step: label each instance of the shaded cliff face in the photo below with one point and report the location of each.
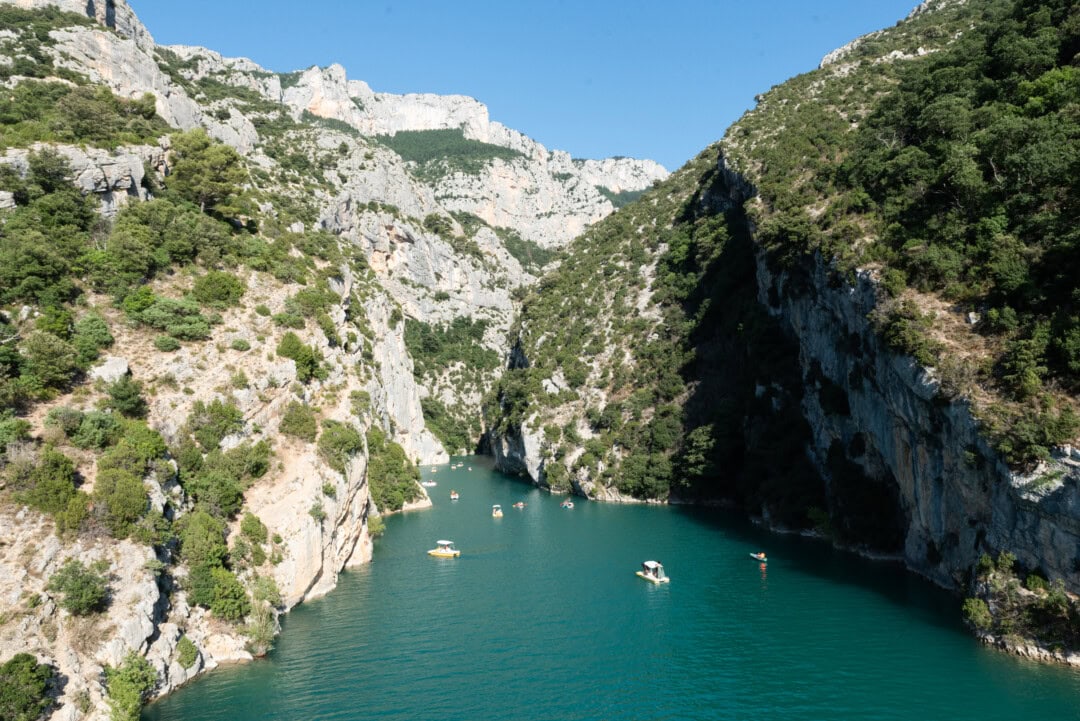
(951, 496)
(756, 369)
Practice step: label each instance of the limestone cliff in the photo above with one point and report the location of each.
(433, 251)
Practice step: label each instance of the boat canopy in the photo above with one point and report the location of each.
(444, 543)
(496, 506)
(651, 564)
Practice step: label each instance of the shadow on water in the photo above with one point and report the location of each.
(817, 557)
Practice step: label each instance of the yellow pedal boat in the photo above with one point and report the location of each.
(444, 549)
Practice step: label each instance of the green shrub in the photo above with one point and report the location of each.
(125, 397)
(180, 319)
(262, 309)
(70, 520)
(230, 600)
(11, 430)
(299, 421)
(202, 539)
(50, 361)
(215, 491)
(129, 685)
(265, 589)
(91, 335)
(977, 614)
(253, 528)
(65, 418)
(51, 482)
(97, 430)
(261, 631)
(187, 652)
(338, 443)
(316, 511)
(211, 423)
(166, 343)
(329, 490)
(84, 590)
(24, 685)
(240, 344)
(218, 288)
(121, 500)
(307, 359)
(392, 477)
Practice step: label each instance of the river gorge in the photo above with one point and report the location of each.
(543, 617)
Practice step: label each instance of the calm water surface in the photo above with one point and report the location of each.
(542, 617)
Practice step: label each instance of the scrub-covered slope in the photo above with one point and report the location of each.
(212, 290)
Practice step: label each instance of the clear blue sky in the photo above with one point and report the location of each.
(659, 79)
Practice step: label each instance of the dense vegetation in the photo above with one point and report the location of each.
(392, 476)
(24, 685)
(677, 413)
(440, 152)
(958, 181)
(1035, 609)
(452, 354)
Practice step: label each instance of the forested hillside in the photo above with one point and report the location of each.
(944, 167)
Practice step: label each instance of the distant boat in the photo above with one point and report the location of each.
(519, 504)
(567, 503)
(759, 557)
(653, 572)
(496, 511)
(428, 484)
(444, 549)
(470, 468)
(433, 469)
(453, 495)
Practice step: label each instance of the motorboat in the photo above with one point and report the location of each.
(433, 469)
(496, 511)
(653, 572)
(453, 495)
(567, 504)
(428, 484)
(444, 549)
(519, 504)
(760, 556)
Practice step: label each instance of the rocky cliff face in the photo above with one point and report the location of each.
(436, 250)
(368, 193)
(956, 498)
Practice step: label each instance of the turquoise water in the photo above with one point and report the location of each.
(542, 617)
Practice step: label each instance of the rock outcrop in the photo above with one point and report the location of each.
(957, 498)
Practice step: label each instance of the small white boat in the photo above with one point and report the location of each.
(444, 549)
(429, 484)
(496, 511)
(567, 503)
(453, 495)
(519, 504)
(653, 572)
(433, 469)
(760, 556)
